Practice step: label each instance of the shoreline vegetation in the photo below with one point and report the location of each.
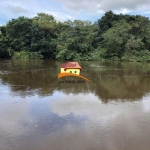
(115, 37)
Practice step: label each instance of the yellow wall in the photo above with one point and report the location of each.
(73, 71)
(62, 70)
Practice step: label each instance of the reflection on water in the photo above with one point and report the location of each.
(37, 112)
(111, 81)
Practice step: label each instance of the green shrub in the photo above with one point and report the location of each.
(27, 55)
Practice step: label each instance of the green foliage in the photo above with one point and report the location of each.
(126, 39)
(20, 55)
(79, 37)
(35, 36)
(113, 37)
(4, 43)
(134, 55)
(106, 22)
(27, 55)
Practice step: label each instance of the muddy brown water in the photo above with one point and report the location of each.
(38, 112)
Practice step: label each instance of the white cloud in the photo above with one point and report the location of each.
(71, 9)
(16, 9)
(58, 16)
(100, 6)
(68, 16)
(13, 9)
(123, 11)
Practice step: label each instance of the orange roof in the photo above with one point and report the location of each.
(71, 65)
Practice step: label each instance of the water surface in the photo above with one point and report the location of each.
(39, 113)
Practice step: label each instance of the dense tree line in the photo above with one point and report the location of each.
(112, 37)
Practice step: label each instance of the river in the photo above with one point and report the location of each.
(38, 112)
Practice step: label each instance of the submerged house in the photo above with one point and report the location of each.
(70, 67)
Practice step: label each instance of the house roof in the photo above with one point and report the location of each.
(63, 65)
(71, 65)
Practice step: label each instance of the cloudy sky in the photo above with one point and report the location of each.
(71, 9)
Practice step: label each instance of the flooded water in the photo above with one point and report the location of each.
(37, 112)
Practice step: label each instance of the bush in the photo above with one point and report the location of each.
(27, 55)
(141, 56)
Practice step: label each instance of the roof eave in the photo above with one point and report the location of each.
(73, 68)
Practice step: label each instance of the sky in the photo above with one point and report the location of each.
(64, 10)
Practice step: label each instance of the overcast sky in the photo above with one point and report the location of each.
(71, 9)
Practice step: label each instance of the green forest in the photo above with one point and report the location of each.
(115, 37)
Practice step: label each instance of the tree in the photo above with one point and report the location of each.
(28, 35)
(116, 38)
(106, 21)
(19, 32)
(76, 41)
(5, 51)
